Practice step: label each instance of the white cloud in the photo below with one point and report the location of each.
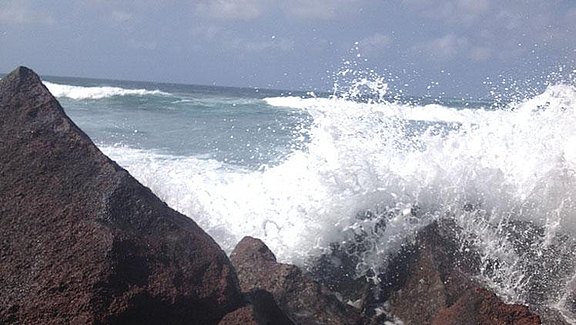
(374, 45)
(454, 12)
(207, 32)
(253, 9)
(259, 46)
(444, 48)
(571, 14)
(231, 9)
(21, 12)
(482, 30)
(480, 53)
(320, 9)
(141, 44)
(430, 8)
(121, 16)
(472, 7)
(229, 41)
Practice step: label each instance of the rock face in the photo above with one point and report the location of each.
(242, 316)
(304, 300)
(81, 241)
(430, 282)
(479, 306)
(261, 309)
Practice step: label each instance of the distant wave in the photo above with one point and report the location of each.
(292, 101)
(78, 92)
(428, 113)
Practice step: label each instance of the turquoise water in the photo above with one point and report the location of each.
(232, 125)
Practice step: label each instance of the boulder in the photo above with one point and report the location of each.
(81, 241)
(479, 306)
(261, 309)
(304, 300)
(241, 316)
(431, 281)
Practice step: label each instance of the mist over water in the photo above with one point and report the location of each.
(302, 172)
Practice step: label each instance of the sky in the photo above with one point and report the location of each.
(420, 47)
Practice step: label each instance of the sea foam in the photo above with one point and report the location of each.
(78, 92)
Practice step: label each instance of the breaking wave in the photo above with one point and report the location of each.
(79, 93)
(375, 172)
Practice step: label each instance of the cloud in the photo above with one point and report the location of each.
(254, 9)
(231, 9)
(462, 12)
(444, 48)
(141, 44)
(22, 13)
(229, 41)
(259, 46)
(482, 30)
(480, 53)
(320, 9)
(121, 16)
(472, 8)
(374, 45)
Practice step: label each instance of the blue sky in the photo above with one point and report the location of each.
(423, 47)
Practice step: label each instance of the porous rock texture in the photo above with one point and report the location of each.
(261, 309)
(301, 298)
(81, 241)
(431, 281)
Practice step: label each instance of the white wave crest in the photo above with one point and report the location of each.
(78, 92)
(429, 113)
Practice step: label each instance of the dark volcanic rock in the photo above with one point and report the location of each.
(262, 310)
(304, 300)
(431, 281)
(241, 316)
(81, 241)
(479, 306)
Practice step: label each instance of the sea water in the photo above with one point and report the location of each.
(303, 171)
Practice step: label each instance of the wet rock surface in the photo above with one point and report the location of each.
(81, 241)
(261, 308)
(479, 306)
(303, 300)
(432, 281)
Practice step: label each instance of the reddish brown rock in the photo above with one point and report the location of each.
(304, 300)
(241, 316)
(479, 306)
(431, 282)
(262, 310)
(81, 241)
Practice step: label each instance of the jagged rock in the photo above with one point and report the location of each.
(81, 241)
(241, 316)
(479, 306)
(337, 271)
(304, 300)
(262, 310)
(431, 281)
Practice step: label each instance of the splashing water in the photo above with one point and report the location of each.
(377, 171)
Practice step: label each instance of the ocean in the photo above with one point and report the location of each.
(360, 168)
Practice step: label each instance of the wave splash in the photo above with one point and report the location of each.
(79, 92)
(375, 172)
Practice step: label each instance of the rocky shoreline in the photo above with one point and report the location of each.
(83, 242)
